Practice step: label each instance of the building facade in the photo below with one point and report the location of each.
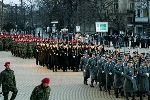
(141, 25)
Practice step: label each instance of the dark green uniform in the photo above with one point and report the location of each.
(7, 79)
(40, 93)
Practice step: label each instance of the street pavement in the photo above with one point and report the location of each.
(64, 85)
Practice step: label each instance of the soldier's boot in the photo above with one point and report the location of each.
(148, 97)
(91, 84)
(122, 94)
(86, 83)
(76, 70)
(141, 98)
(14, 94)
(127, 96)
(100, 87)
(84, 80)
(53, 68)
(5, 94)
(133, 96)
(56, 68)
(116, 92)
(109, 91)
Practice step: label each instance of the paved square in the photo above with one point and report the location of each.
(64, 85)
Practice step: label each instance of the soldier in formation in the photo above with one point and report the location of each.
(128, 76)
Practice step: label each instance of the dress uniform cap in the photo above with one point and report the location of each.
(6, 63)
(85, 51)
(119, 59)
(110, 57)
(93, 53)
(45, 80)
(143, 53)
(126, 54)
(144, 61)
(134, 53)
(129, 61)
(103, 55)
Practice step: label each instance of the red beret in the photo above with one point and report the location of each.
(6, 63)
(45, 80)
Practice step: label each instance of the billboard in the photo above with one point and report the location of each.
(101, 26)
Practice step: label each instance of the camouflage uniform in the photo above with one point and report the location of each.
(40, 93)
(30, 50)
(1, 45)
(7, 79)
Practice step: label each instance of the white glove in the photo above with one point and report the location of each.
(84, 70)
(147, 74)
(132, 78)
(79, 69)
(102, 71)
(110, 73)
(122, 73)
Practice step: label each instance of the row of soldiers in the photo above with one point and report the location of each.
(62, 55)
(125, 74)
(7, 39)
(23, 48)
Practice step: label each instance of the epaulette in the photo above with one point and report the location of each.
(36, 87)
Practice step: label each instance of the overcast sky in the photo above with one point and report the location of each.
(13, 1)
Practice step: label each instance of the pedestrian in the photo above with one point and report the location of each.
(42, 91)
(7, 79)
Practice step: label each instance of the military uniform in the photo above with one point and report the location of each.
(86, 72)
(129, 82)
(101, 76)
(118, 78)
(75, 58)
(109, 70)
(41, 92)
(56, 60)
(144, 81)
(7, 79)
(92, 63)
(1, 45)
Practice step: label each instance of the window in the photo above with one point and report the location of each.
(138, 13)
(144, 12)
(116, 4)
(141, 13)
(131, 6)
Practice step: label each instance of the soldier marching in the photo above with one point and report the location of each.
(126, 75)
